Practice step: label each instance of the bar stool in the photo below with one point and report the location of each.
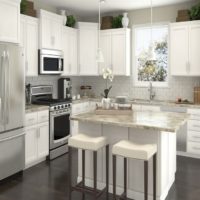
(84, 142)
(132, 150)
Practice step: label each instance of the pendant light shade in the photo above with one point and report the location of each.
(99, 57)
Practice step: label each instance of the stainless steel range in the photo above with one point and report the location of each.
(59, 122)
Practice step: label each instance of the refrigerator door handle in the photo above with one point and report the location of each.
(7, 88)
(2, 85)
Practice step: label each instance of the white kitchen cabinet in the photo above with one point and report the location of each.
(37, 137)
(184, 48)
(115, 45)
(70, 49)
(29, 40)
(88, 43)
(50, 30)
(10, 21)
(43, 137)
(31, 145)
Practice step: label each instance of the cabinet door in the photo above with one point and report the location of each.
(31, 47)
(194, 49)
(179, 45)
(66, 50)
(73, 54)
(106, 47)
(119, 52)
(10, 21)
(43, 140)
(88, 51)
(31, 145)
(56, 30)
(46, 35)
(23, 32)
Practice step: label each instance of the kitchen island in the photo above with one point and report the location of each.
(140, 127)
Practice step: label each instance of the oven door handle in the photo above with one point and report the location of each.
(61, 140)
(61, 114)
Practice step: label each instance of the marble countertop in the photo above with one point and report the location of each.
(35, 108)
(161, 121)
(143, 102)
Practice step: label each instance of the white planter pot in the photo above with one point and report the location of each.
(125, 20)
(63, 13)
(106, 102)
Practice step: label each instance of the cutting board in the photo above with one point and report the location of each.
(197, 95)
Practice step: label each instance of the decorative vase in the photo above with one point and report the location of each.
(125, 20)
(106, 103)
(63, 13)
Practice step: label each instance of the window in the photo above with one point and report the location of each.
(144, 71)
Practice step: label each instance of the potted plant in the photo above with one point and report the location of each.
(117, 22)
(195, 12)
(70, 21)
(108, 76)
(23, 6)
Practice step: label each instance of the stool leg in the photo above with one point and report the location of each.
(83, 172)
(154, 176)
(107, 171)
(146, 180)
(69, 171)
(125, 178)
(114, 176)
(95, 173)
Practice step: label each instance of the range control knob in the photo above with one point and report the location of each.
(54, 107)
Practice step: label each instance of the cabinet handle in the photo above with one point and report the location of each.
(196, 148)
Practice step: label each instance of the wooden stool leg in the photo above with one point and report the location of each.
(154, 176)
(95, 173)
(114, 176)
(69, 171)
(83, 173)
(125, 178)
(107, 172)
(146, 180)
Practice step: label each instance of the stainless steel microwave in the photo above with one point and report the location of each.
(50, 61)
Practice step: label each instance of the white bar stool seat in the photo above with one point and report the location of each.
(144, 152)
(129, 149)
(82, 141)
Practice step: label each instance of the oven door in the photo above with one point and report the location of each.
(50, 64)
(59, 129)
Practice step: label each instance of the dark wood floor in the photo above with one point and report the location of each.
(48, 181)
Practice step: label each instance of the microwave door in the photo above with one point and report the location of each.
(50, 65)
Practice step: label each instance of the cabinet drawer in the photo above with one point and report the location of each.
(85, 107)
(194, 136)
(31, 119)
(193, 147)
(136, 107)
(150, 108)
(76, 109)
(194, 125)
(43, 116)
(194, 114)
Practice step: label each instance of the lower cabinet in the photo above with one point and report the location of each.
(36, 138)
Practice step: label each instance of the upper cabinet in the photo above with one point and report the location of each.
(29, 40)
(115, 45)
(50, 30)
(88, 43)
(70, 45)
(10, 21)
(185, 48)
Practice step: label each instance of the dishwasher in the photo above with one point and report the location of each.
(182, 132)
(12, 157)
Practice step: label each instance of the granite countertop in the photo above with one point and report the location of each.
(161, 121)
(143, 102)
(35, 108)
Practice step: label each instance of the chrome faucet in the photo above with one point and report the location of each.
(152, 93)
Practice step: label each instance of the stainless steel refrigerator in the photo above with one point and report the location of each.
(12, 110)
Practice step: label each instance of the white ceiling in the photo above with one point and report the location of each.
(90, 7)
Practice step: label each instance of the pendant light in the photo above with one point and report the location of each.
(99, 57)
(152, 56)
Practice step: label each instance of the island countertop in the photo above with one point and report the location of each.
(161, 121)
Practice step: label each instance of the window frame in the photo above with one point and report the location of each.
(145, 84)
